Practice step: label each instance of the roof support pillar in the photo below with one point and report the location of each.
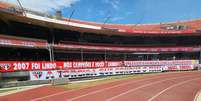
(105, 55)
(200, 58)
(51, 58)
(82, 54)
(125, 56)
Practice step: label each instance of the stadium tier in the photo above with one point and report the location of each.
(33, 43)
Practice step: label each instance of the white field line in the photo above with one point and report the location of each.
(60, 93)
(87, 80)
(175, 85)
(56, 94)
(101, 90)
(19, 89)
(131, 90)
(198, 96)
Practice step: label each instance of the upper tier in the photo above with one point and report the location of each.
(14, 13)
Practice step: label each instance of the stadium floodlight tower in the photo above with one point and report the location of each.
(105, 21)
(71, 14)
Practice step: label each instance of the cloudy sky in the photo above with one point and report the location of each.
(120, 11)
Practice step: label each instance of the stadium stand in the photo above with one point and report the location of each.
(40, 44)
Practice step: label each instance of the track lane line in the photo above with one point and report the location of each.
(170, 87)
(97, 91)
(197, 95)
(131, 90)
(101, 90)
(40, 98)
(60, 93)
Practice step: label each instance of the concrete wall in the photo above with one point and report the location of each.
(0, 76)
(23, 83)
(15, 74)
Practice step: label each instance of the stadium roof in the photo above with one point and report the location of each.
(191, 27)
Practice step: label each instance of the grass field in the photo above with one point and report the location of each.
(7, 90)
(99, 82)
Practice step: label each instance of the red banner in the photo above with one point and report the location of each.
(29, 66)
(20, 42)
(132, 49)
(173, 62)
(12, 66)
(180, 67)
(114, 63)
(10, 41)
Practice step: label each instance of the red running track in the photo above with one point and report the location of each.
(157, 87)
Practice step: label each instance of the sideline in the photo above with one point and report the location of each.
(115, 86)
(60, 93)
(198, 96)
(19, 89)
(83, 81)
(170, 87)
(149, 84)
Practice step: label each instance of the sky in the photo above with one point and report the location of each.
(120, 11)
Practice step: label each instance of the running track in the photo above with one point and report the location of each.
(157, 87)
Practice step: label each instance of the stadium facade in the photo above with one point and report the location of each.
(32, 42)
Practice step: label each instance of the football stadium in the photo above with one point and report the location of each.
(38, 49)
